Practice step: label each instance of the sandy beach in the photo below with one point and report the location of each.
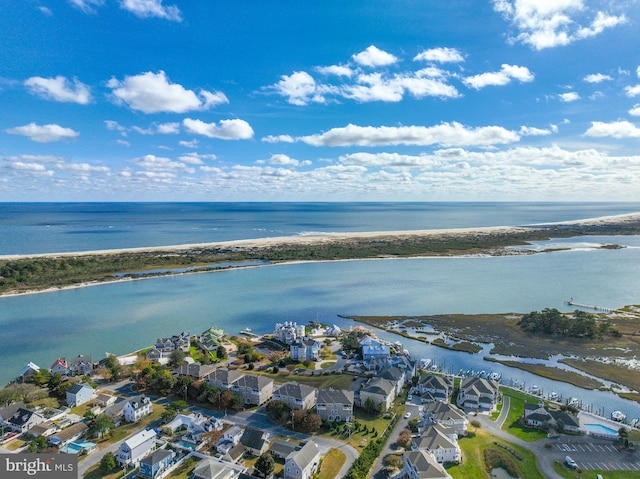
(319, 238)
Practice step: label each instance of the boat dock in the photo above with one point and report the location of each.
(571, 302)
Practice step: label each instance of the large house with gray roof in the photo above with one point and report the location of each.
(422, 465)
(335, 405)
(380, 390)
(478, 393)
(440, 441)
(255, 390)
(297, 396)
(303, 463)
(136, 448)
(434, 388)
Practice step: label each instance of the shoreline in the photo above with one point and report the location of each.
(328, 237)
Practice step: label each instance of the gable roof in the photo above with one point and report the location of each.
(379, 386)
(76, 388)
(156, 456)
(70, 432)
(210, 468)
(433, 438)
(391, 373)
(252, 381)
(140, 438)
(304, 456)
(21, 416)
(283, 448)
(295, 390)
(426, 465)
(478, 385)
(7, 411)
(253, 438)
(222, 375)
(335, 396)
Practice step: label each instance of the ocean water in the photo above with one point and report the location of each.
(125, 316)
(65, 227)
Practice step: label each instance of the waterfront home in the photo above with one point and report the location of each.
(297, 396)
(434, 388)
(156, 463)
(137, 447)
(333, 331)
(441, 442)
(381, 391)
(405, 363)
(59, 366)
(254, 389)
(68, 435)
(81, 365)
(223, 378)
(288, 332)
(374, 353)
(211, 339)
(305, 348)
(256, 441)
(194, 370)
(422, 465)
(23, 420)
(29, 370)
(130, 409)
(302, 464)
(536, 415)
(447, 415)
(79, 394)
(335, 405)
(478, 394)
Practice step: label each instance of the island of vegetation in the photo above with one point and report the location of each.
(32, 273)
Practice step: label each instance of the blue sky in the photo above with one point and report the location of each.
(326, 100)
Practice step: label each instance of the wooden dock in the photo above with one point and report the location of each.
(571, 302)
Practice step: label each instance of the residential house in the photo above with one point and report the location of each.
(137, 447)
(434, 388)
(79, 394)
(210, 468)
(302, 464)
(280, 448)
(422, 465)
(194, 370)
(335, 405)
(23, 420)
(256, 441)
(211, 339)
(235, 454)
(7, 411)
(448, 415)
(380, 390)
(195, 425)
(375, 355)
(81, 365)
(536, 415)
(254, 389)
(297, 396)
(223, 378)
(136, 408)
(395, 375)
(406, 364)
(105, 400)
(440, 441)
(156, 463)
(288, 332)
(305, 348)
(333, 330)
(230, 438)
(59, 366)
(68, 435)
(29, 370)
(163, 347)
(44, 429)
(478, 393)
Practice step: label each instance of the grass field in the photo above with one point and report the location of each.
(571, 474)
(516, 410)
(331, 464)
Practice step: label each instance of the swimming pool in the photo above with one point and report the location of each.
(601, 429)
(186, 445)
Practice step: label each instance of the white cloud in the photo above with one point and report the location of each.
(440, 55)
(446, 134)
(152, 8)
(225, 130)
(547, 24)
(59, 89)
(635, 111)
(278, 139)
(374, 57)
(615, 129)
(87, 6)
(123, 142)
(531, 131)
(499, 78)
(46, 11)
(168, 128)
(338, 70)
(301, 89)
(632, 91)
(196, 158)
(82, 168)
(35, 168)
(115, 126)
(597, 78)
(189, 144)
(160, 164)
(153, 93)
(569, 96)
(36, 158)
(284, 160)
(43, 133)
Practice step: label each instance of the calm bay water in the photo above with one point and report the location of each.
(122, 317)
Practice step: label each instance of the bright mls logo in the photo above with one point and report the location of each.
(46, 466)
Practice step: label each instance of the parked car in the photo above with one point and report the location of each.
(407, 415)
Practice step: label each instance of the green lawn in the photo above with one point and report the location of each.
(331, 464)
(572, 474)
(516, 410)
(472, 466)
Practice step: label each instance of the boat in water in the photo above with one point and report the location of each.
(425, 363)
(553, 395)
(618, 416)
(495, 376)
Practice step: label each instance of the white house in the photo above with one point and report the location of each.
(79, 394)
(230, 438)
(422, 465)
(303, 463)
(447, 415)
(136, 408)
(478, 393)
(434, 388)
(304, 348)
(136, 448)
(441, 442)
(288, 332)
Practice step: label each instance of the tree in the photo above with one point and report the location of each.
(404, 439)
(393, 462)
(221, 352)
(108, 462)
(264, 465)
(210, 438)
(100, 425)
(39, 444)
(176, 357)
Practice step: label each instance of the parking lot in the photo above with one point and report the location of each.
(597, 456)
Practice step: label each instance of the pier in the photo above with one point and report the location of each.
(571, 302)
